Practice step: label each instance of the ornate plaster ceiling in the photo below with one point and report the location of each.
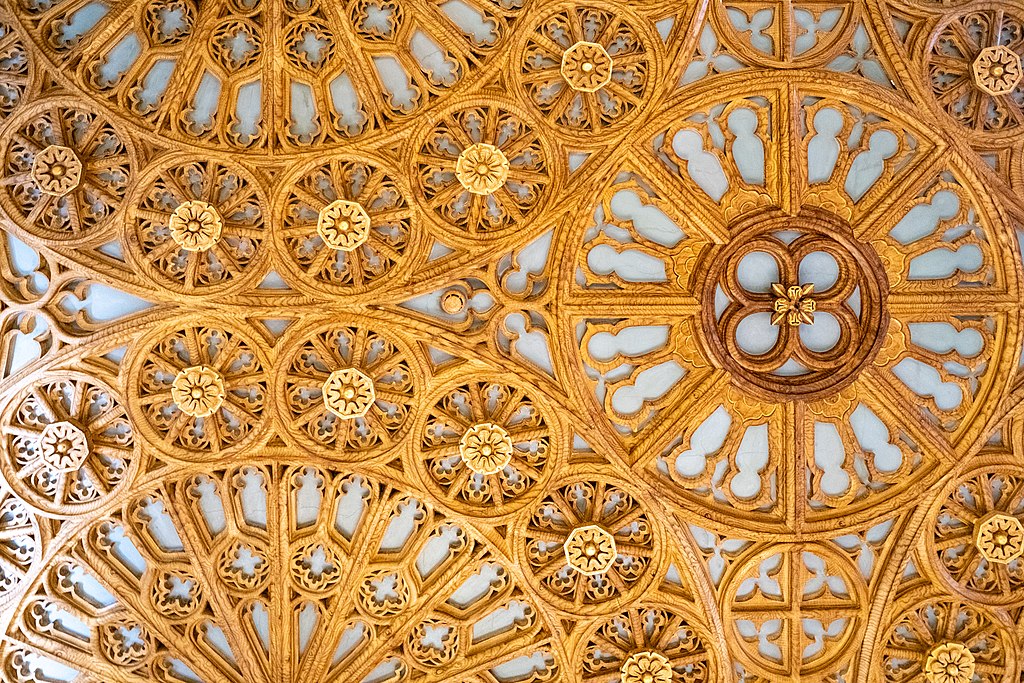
(509, 341)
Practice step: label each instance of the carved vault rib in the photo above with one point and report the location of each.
(503, 341)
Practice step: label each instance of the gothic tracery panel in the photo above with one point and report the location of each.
(510, 341)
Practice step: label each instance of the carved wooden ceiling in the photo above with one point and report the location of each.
(509, 341)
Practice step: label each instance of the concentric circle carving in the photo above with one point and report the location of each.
(588, 68)
(974, 70)
(200, 390)
(786, 593)
(381, 580)
(69, 446)
(66, 170)
(347, 226)
(488, 446)
(208, 76)
(453, 301)
(688, 254)
(810, 369)
(942, 640)
(977, 535)
(196, 227)
(517, 178)
(509, 341)
(648, 643)
(627, 547)
(317, 371)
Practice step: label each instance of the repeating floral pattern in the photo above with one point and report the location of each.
(507, 341)
(67, 170)
(68, 443)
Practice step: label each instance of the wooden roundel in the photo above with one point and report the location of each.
(511, 341)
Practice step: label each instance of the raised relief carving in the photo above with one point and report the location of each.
(587, 67)
(482, 168)
(590, 550)
(511, 341)
(195, 225)
(997, 70)
(57, 170)
(343, 225)
(647, 667)
(486, 448)
(348, 393)
(198, 390)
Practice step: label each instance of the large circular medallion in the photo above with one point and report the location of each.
(781, 334)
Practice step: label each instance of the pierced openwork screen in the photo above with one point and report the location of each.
(511, 341)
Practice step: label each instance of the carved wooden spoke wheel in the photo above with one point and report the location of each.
(510, 341)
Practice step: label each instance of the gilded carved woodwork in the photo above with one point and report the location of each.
(508, 341)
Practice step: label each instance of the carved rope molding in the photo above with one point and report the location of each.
(509, 341)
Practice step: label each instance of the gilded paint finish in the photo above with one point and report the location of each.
(505, 340)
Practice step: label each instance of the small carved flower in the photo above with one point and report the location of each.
(647, 667)
(198, 391)
(64, 446)
(343, 225)
(590, 550)
(794, 305)
(1000, 538)
(383, 604)
(949, 663)
(57, 170)
(195, 225)
(482, 168)
(348, 393)
(997, 70)
(243, 566)
(177, 594)
(316, 567)
(121, 648)
(486, 448)
(586, 67)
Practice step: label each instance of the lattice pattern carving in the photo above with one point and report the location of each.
(510, 341)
